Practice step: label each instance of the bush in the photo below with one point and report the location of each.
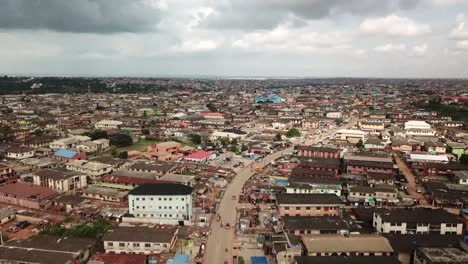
(121, 140)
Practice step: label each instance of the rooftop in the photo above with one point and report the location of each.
(331, 243)
(308, 199)
(444, 255)
(418, 215)
(162, 189)
(140, 234)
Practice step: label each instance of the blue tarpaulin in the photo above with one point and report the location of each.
(259, 260)
(179, 259)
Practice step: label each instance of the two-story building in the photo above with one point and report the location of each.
(318, 152)
(309, 204)
(59, 179)
(417, 221)
(139, 240)
(93, 170)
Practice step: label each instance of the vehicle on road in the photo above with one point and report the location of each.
(23, 224)
(12, 229)
(419, 190)
(227, 226)
(233, 197)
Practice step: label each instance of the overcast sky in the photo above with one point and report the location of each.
(306, 38)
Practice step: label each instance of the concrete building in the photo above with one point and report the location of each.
(20, 153)
(171, 203)
(139, 240)
(350, 135)
(309, 204)
(60, 179)
(108, 124)
(440, 255)
(417, 221)
(416, 124)
(339, 245)
(93, 170)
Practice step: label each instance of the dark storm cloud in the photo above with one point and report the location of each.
(265, 14)
(80, 16)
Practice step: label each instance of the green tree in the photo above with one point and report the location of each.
(234, 141)
(195, 138)
(277, 137)
(6, 133)
(38, 132)
(244, 147)
(234, 148)
(121, 140)
(224, 141)
(145, 114)
(212, 107)
(293, 132)
(114, 153)
(464, 159)
(123, 155)
(360, 144)
(98, 134)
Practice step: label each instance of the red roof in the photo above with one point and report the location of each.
(211, 114)
(199, 155)
(27, 191)
(127, 258)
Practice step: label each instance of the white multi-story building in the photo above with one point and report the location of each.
(20, 153)
(334, 115)
(108, 124)
(139, 240)
(417, 221)
(166, 202)
(351, 135)
(416, 124)
(93, 169)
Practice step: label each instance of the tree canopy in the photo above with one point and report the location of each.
(293, 132)
(121, 140)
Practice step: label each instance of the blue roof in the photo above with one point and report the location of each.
(259, 260)
(65, 153)
(179, 259)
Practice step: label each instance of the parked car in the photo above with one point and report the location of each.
(23, 224)
(12, 229)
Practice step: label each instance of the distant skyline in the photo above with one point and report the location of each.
(235, 38)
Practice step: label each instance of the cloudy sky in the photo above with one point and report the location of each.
(306, 38)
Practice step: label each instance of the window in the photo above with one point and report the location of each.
(151, 199)
(170, 199)
(136, 244)
(121, 244)
(138, 199)
(286, 208)
(318, 208)
(165, 199)
(307, 207)
(147, 245)
(142, 199)
(298, 208)
(110, 244)
(182, 199)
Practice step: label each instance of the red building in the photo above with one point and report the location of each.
(318, 152)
